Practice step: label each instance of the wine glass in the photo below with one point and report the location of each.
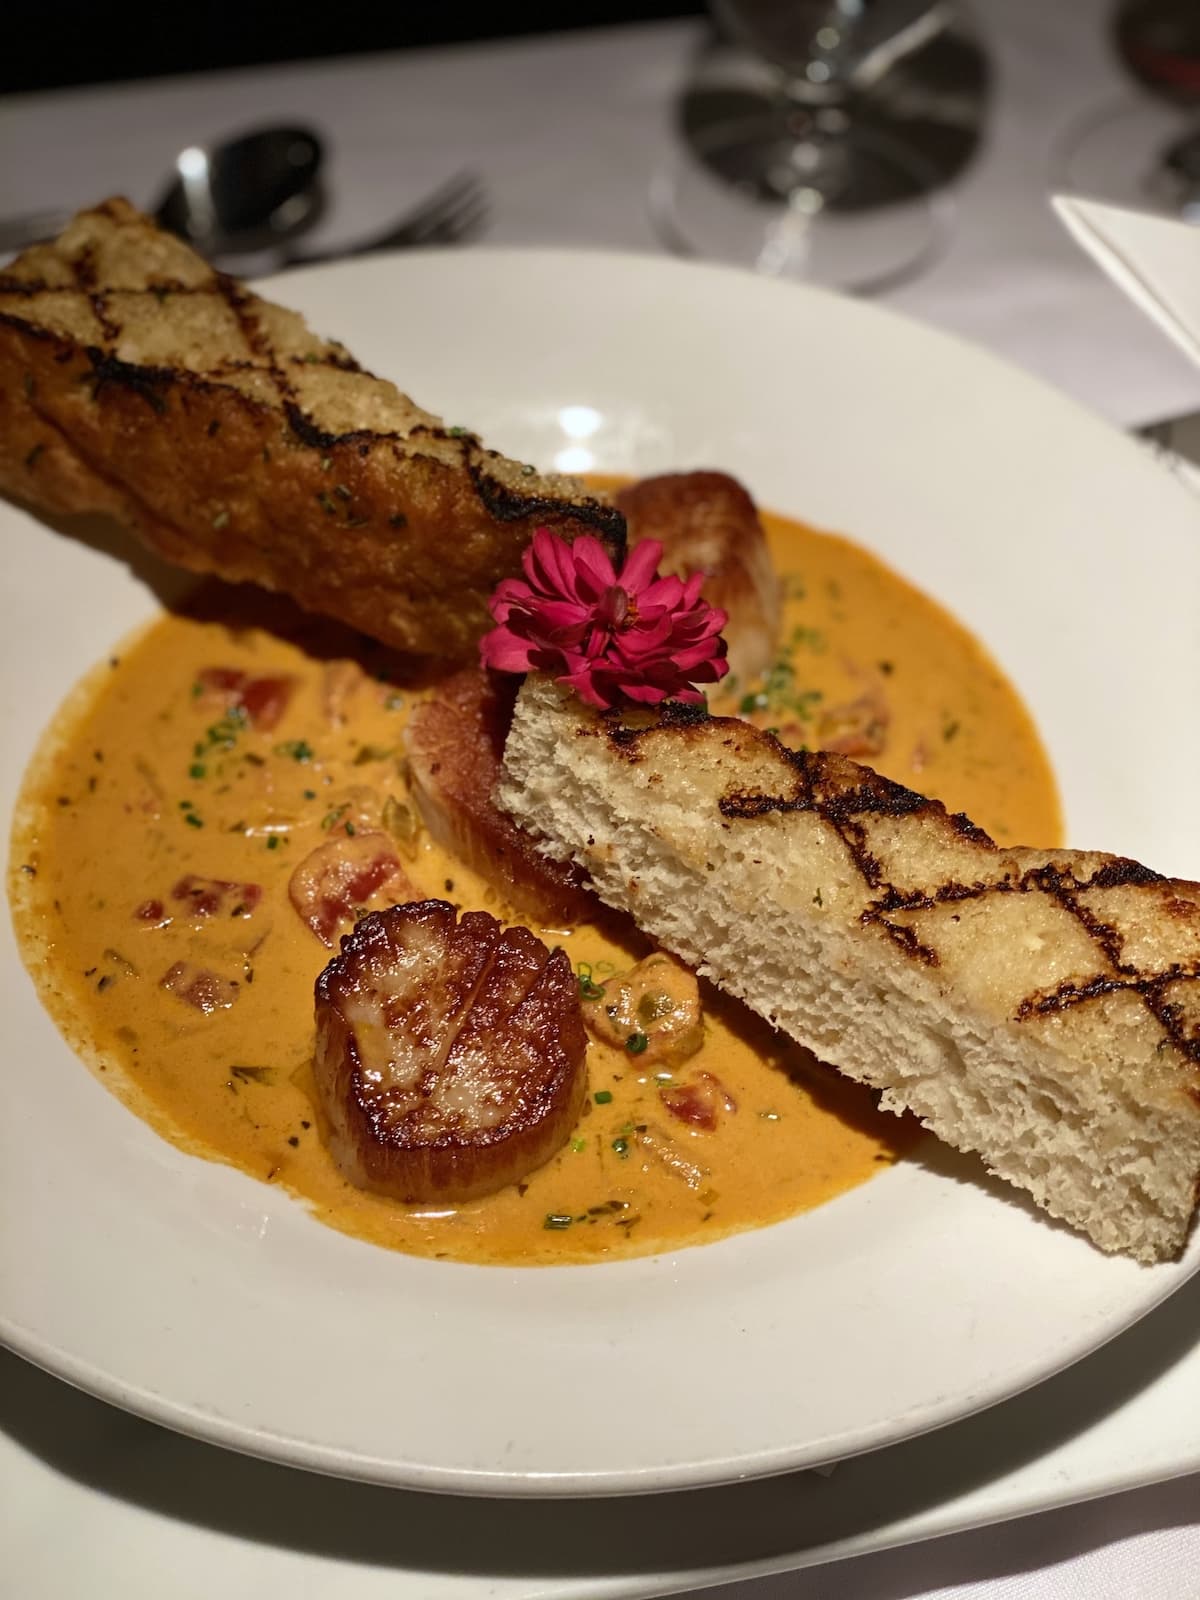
(818, 137)
(1144, 151)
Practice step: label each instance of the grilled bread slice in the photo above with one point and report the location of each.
(450, 1055)
(136, 381)
(1039, 1007)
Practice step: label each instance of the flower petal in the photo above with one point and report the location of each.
(504, 652)
(640, 566)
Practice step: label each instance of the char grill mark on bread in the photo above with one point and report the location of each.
(138, 382)
(450, 1053)
(1039, 1007)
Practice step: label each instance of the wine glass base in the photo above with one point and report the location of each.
(791, 207)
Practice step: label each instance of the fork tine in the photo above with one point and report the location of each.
(452, 212)
(461, 195)
(461, 224)
(446, 197)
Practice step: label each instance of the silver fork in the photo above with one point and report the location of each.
(453, 213)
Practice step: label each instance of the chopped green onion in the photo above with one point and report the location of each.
(621, 1147)
(602, 1097)
(298, 749)
(636, 1043)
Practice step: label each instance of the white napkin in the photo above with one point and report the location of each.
(1154, 259)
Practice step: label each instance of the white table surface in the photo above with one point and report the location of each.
(566, 133)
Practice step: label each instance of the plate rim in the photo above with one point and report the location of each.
(251, 1439)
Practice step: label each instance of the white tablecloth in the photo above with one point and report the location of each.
(566, 132)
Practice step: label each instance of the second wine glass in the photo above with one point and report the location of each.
(817, 140)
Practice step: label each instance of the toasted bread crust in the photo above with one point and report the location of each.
(138, 382)
(1118, 904)
(1041, 1007)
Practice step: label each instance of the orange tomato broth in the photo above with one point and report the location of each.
(132, 790)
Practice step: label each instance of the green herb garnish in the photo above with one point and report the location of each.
(297, 749)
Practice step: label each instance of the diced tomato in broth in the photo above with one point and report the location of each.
(264, 700)
(206, 897)
(699, 1101)
(197, 986)
(338, 877)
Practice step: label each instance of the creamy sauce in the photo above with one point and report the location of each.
(141, 782)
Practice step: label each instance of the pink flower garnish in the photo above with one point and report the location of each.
(634, 636)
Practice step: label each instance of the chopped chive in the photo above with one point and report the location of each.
(456, 432)
(588, 990)
(636, 1043)
(310, 794)
(621, 1148)
(273, 842)
(197, 770)
(192, 820)
(297, 749)
(602, 1097)
(578, 1145)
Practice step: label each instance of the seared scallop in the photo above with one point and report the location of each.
(450, 1053)
(455, 746)
(706, 522)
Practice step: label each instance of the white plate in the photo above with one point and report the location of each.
(209, 1302)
